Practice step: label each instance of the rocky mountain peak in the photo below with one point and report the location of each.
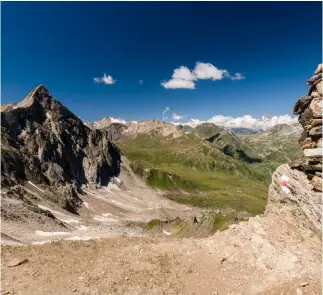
(285, 129)
(39, 91)
(39, 95)
(44, 142)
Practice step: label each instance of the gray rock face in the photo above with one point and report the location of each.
(289, 191)
(116, 130)
(316, 107)
(43, 142)
(315, 79)
(306, 117)
(316, 131)
(319, 88)
(302, 104)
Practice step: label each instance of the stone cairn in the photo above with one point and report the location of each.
(309, 109)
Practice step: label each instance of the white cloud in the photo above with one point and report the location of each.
(141, 82)
(178, 83)
(237, 76)
(164, 113)
(106, 79)
(209, 71)
(166, 110)
(185, 78)
(177, 116)
(264, 123)
(183, 73)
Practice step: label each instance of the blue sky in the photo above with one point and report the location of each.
(276, 46)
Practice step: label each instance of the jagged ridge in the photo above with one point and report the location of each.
(44, 142)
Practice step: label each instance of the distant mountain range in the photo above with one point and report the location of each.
(206, 160)
(107, 121)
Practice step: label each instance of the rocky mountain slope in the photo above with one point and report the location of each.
(44, 143)
(277, 144)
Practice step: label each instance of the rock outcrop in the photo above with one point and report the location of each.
(145, 127)
(46, 144)
(309, 108)
(292, 193)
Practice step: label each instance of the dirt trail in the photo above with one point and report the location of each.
(255, 257)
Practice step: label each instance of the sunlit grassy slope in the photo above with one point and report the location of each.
(225, 174)
(197, 172)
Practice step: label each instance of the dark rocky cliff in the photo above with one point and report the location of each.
(43, 142)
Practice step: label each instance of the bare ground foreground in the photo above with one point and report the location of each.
(278, 253)
(263, 256)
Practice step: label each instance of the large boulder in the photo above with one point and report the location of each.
(292, 193)
(316, 107)
(302, 103)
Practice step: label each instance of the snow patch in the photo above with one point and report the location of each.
(41, 242)
(48, 209)
(107, 214)
(116, 203)
(86, 205)
(104, 219)
(117, 179)
(82, 227)
(50, 234)
(35, 186)
(112, 186)
(166, 233)
(117, 120)
(77, 238)
(69, 220)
